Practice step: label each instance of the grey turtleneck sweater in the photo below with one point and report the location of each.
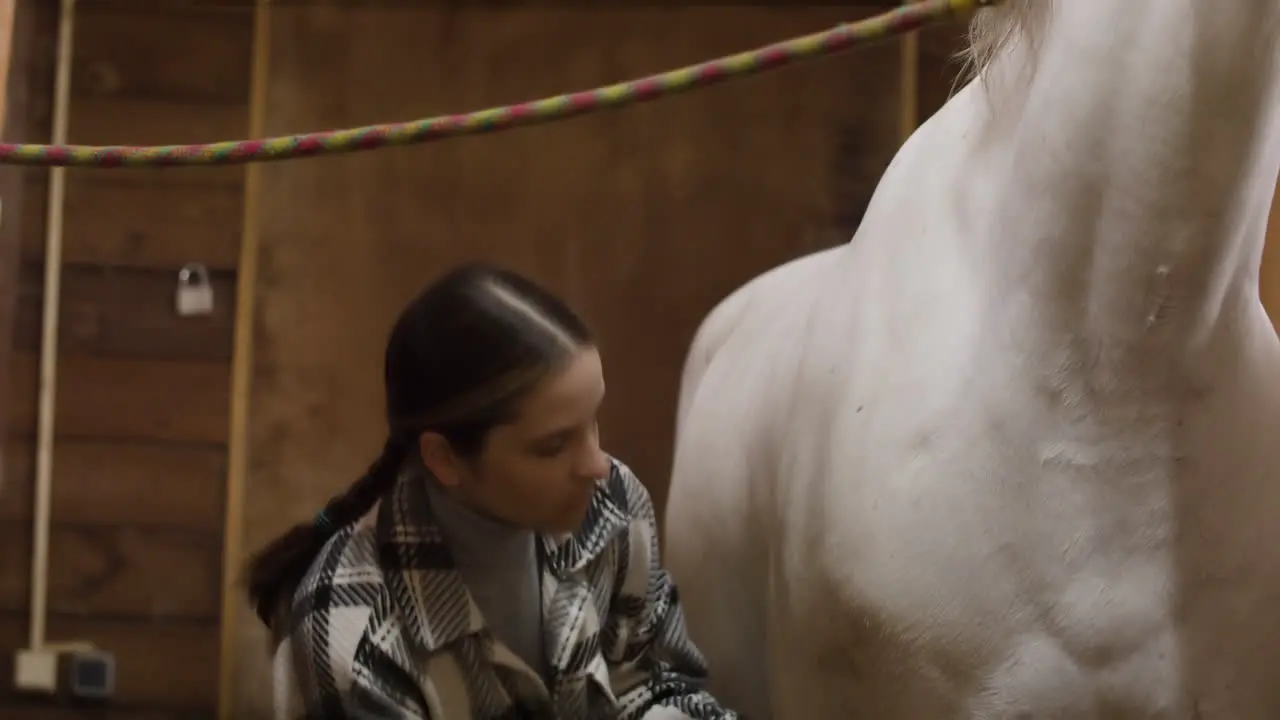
(499, 564)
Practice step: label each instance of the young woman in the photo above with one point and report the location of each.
(492, 562)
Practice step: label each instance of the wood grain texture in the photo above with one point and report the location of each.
(126, 312)
(42, 709)
(161, 666)
(20, 22)
(150, 74)
(117, 121)
(139, 457)
(148, 574)
(144, 218)
(940, 65)
(7, 50)
(125, 398)
(177, 486)
(127, 52)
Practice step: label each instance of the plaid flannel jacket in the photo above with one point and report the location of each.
(383, 627)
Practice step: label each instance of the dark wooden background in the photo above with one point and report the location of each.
(642, 218)
(139, 462)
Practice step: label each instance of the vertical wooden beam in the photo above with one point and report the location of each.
(242, 374)
(7, 12)
(16, 50)
(909, 93)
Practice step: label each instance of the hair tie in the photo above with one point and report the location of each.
(323, 522)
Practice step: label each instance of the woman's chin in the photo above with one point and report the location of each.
(571, 521)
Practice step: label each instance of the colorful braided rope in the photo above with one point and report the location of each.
(898, 21)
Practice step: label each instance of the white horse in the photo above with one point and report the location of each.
(1012, 452)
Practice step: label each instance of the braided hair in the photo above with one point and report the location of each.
(460, 358)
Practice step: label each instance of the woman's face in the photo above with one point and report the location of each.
(539, 471)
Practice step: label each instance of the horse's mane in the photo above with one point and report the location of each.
(992, 30)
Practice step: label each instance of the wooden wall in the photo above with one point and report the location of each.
(642, 219)
(939, 65)
(139, 462)
(23, 23)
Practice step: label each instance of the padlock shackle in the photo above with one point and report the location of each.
(193, 273)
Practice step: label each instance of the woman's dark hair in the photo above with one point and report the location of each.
(460, 358)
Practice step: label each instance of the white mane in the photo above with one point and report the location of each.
(993, 29)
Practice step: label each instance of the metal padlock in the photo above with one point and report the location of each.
(194, 295)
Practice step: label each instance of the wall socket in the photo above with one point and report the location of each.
(92, 674)
(36, 671)
(40, 670)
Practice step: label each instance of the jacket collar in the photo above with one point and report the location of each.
(421, 574)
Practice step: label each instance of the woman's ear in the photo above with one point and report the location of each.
(440, 459)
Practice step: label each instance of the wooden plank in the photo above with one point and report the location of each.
(143, 84)
(909, 89)
(6, 50)
(242, 372)
(126, 398)
(161, 52)
(122, 571)
(161, 665)
(153, 122)
(40, 30)
(40, 709)
(12, 186)
(204, 177)
(144, 220)
(125, 312)
(940, 65)
(168, 666)
(229, 6)
(106, 121)
(164, 485)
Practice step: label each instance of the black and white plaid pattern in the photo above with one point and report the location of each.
(383, 627)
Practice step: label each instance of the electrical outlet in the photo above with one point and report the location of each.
(92, 674)
(36, 670)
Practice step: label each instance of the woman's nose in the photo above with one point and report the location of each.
(593, 462)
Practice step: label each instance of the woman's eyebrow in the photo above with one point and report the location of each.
(553, 434)
(561, 431)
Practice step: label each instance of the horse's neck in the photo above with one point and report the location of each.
(1129, 170)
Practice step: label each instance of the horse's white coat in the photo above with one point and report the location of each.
(1012, 452)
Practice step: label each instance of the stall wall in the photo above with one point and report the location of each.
(641, 218)
(140, 449)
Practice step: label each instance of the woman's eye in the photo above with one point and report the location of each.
(550, 449)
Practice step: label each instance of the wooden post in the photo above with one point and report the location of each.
(242, 374)
(909, 113)
(6, 50)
